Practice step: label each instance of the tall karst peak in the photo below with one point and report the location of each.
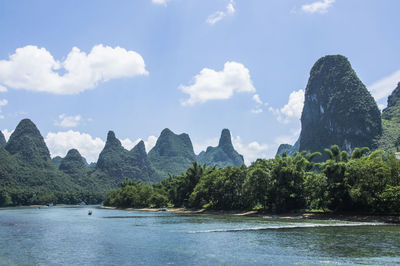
(172, 153)
(338, 108)
(119, 164)
(27, 142)
(139, 148)
(222, 155)
(225, 141)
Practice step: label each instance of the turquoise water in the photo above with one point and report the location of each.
(68, 236)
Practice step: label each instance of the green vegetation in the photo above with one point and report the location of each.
(222, 155)
(118, 164)
(390, 140)
(28, 176)
(2, 140)
(338, 109)
(172, 153)
(360, 182)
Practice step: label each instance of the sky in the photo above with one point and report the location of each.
(78, 69)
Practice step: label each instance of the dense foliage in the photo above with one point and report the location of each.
(28, 176)
(360, 182)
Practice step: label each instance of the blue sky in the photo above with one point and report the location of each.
(195, 66)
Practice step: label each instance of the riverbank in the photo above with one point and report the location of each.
(352, 217)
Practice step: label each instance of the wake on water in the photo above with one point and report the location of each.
(283, 227)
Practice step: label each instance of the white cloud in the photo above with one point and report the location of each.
(35, 69)
(217, 16)
(292, 110)
(257, 99)
(160, 2)
(3, 89)
(61, 142)
(384, 87)
(257, 110)
(7, 133)
(199, 146)
(259, 104)
(3, 102)
(218, 85)
(318, 7)
(288, 139)
(149, 143)
(68, 121)
(250, 151)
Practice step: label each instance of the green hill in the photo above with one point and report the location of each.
(390, 140)
(118, 163)
(172, 153)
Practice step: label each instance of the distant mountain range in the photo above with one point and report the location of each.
(26, 166)
(338, 109)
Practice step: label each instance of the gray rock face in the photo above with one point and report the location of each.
(338, 108)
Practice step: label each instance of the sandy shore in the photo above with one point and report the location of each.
(393, 219)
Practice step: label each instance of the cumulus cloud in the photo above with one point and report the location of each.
(218, 85)
(217, 16)
(68, 121)
(61, 142)
(292, 110)
(149, 143)
(160, 2)
(3, 102)
(3, 89)
(288, 139)
(250, 151)
(35, 69)
(7, 133)
(384, 87)
(320, 7)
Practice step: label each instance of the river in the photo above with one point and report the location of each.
(69, 236)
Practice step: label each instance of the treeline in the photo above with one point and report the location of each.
(360, 182)
(24, 197)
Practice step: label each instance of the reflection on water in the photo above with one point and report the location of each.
(68, 236)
